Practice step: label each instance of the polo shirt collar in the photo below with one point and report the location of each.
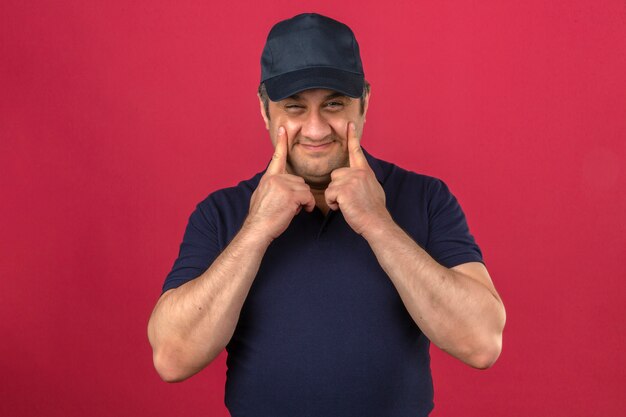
(373, 163)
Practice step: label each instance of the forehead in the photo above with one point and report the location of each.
(315, 94)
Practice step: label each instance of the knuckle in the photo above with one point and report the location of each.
(275, 182)
(359, 174)
(336, 173)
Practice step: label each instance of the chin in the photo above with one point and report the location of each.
(317, 181)
(311, 174)
(318, 173)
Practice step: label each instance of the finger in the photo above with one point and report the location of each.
(279, 159)
(305, 199)
(310, 204)
(298, 187)
(338, 173)
(330, 195)
(355, 152)
(283, 181)
(294, 178)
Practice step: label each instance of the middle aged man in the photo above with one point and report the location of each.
(326, 275)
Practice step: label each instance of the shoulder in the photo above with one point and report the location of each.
(224, 210)
(231, 197)
(398, 179)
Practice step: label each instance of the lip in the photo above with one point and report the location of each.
(316, 147)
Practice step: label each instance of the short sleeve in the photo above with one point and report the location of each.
(198, 250)
(449, 240)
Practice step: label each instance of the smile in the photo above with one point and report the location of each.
(316, 147)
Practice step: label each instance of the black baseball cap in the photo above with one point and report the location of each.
(311, 51)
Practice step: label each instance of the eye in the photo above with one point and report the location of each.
(334, 105)
(291, 107)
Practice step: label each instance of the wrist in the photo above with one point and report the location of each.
(379, 227)
(255, 234)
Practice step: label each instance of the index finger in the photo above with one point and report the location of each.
(279, 159)
(355, 152)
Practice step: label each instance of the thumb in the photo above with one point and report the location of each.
(279, 159)
(355, 152)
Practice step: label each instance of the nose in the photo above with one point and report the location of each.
(315, 127)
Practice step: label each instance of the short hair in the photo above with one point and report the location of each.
(266, 99)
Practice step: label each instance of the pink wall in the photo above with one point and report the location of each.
(116, 119)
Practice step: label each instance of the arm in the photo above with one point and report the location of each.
(191, 324)
(458, 309)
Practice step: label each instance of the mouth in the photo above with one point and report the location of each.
(317, 147)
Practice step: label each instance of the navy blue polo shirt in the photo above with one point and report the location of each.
(323, 331)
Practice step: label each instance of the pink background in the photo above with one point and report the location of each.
(117, 118)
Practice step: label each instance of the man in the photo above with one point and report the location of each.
(325, 276)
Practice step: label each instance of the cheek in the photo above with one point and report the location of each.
(340, 129)
(293, 130)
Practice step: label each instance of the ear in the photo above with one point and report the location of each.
(265, 118)
(366, 102)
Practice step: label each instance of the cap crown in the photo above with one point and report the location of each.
(311, 51)
(310, 40)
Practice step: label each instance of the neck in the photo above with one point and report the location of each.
(318, 188)
(320, 199)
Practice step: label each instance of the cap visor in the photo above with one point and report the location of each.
(285, 85)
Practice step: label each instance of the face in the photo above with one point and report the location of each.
(316, 122)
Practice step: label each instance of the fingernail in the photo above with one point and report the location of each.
(281, 130)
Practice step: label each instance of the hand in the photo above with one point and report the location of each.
(279, 196)
(356, 191)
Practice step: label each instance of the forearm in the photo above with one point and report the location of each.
(191, 324)
(459, 314)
